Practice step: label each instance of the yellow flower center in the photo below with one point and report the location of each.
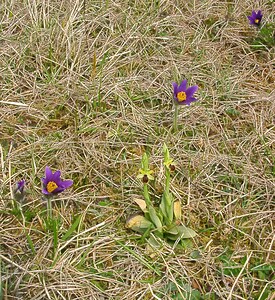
(181, 96)
(51, 186)
(257, 21)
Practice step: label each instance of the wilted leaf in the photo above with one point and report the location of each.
(138, 223)
(177, 210)
(141, 203)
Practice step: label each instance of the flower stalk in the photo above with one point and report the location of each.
(146, 195)
(49, 207)
(176, 114)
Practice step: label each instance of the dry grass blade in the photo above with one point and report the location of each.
(86, 88)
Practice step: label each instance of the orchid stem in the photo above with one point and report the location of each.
(146, 195)
(167, 180)
(176, 113)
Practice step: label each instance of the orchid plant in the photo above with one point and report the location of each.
(165, 220)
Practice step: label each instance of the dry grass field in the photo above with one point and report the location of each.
(86, 88)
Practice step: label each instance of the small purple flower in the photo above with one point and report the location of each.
(184, 95)
(20, 186)
(18, 190)
(255, 18)
(53, 184)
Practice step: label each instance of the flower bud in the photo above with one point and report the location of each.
(18, 191)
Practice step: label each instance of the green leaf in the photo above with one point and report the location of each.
(155, 219)
(30, 244)
(169, 207)
(55, 234)
(196, 254)
(152, 245)
(173, 230)
(162, 207)
(183, 232)
(166, 153)
(71, 229)
(145, 162)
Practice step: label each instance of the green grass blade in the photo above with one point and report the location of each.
(30, 244)
(71, 229)
(139, 258)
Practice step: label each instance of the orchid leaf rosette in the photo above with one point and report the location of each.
(163, 220)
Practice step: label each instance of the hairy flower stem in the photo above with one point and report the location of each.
(176, 113)
(49, 207)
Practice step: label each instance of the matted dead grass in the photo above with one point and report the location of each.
(86, 88)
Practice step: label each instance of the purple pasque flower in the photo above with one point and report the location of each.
(53, 184)
(20, 186)
(18, 191)
(255, 18)
(184, 95)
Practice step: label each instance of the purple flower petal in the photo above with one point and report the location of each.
(190, 100)
(56, 176)
(255, 18)
(175, 86)
(58, 190)
(44, 191)
(187, 101)
(191, 91)
(44, 181)
(48, 173)
(67, 183)
(182, 87)
(21, 185)
(188, 91)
